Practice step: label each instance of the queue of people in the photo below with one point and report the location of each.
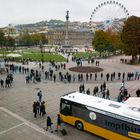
(7, 83)
(100, 92)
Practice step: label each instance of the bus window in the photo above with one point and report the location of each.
(65, 109)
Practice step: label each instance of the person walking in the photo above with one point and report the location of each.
(58, 123)
(38, 107)
(49, 124)
(103, 94)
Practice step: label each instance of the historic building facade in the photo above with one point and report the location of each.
(76, 37)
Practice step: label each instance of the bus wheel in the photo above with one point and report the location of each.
(79, 125)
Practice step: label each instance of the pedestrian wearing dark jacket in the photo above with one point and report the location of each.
(49, 124)
(35, 109)
(58, 122)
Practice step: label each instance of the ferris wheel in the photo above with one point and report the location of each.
(108, 15)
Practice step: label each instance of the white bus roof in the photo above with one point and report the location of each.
(105, 105)
(133, 102)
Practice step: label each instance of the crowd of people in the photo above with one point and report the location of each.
(58, 72)
(123, 94)
(39, 106)
(7, 83)
(39, 109)
(101, 91)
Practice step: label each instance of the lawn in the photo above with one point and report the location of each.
(46, 56)
(36, 56)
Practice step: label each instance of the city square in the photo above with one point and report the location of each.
(69, 70)
(19, 98)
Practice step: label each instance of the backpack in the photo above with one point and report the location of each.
(64, 132)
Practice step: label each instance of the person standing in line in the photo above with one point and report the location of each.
(103, 94)
(138, 92)
(74, 78)
(35, 109)
(114, 75)
(83, 88)
(107, 76)
(90, 76)
(101, 87)
(101, 76)
(107, 94)
(80, 88)
(94, 91)
(54, 78)
(119, 75)
(40, 95)
(42, 67)
(104, 85)
(2, 83)
(95, 76)
(87, 76)
(46, 75)
(123, 75)
(38, 107)
(88, 92)
(42, 109)
(81, 77)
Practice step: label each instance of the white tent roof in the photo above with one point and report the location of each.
(13, 55)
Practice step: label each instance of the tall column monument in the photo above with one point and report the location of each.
(66, 35)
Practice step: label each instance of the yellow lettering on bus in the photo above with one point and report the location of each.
(134, 135)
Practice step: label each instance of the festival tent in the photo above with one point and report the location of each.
(13, 55)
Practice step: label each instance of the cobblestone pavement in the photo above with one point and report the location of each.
(19, 99)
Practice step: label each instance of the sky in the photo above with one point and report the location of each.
(31, 11)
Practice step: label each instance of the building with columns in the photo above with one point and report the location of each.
(70, 35)
(76, 37)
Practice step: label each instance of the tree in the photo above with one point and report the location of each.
(131, 37)
(32, 40)
(10, 41)
(115, 41)
(2, 39)
(26, 40)
(43, 39)
(36, 38)
(101, 42)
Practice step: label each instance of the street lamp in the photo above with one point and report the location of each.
(41, 51)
